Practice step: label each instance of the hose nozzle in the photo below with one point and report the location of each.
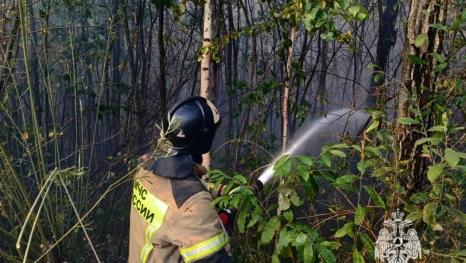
(256, 186)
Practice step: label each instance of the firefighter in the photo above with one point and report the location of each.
(171, 217)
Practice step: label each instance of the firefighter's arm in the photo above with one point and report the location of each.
(201, 238)
(201, 172)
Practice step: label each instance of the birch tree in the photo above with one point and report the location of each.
(286, 98)
(205, 62)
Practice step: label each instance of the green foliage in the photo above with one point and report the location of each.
(299, 173)
(420, 40)
(434, 208)
(63, 130)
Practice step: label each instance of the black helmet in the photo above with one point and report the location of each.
(199, 121)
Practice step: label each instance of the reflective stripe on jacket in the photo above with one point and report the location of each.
(171, 220)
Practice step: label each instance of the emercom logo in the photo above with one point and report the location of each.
(393, 244)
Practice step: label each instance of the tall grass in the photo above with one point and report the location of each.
(55, 178)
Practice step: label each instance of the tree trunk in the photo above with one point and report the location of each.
(206, 41)
(231, 73)
(319, 103)
(294, 111)
(116, 76)
(133, 71)
(417, 86)
(9, 48)
(215, 65)
(385, 42)
(205, 63)
(163, 82)
(245, 124)
(286, 97)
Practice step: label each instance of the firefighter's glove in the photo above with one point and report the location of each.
(227, 216)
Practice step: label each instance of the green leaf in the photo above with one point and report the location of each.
(357, 257)
(243, 212)
(275, 258)
(459, 253)
(284, 199)
(379, 76)
(354, 10)
(419, 198)
(362, 14)
(304, 173)
(345, 179)
(458, 23)
(413, 216)
(308, 253)
(407, 120)
(359, 215)
(344, 3)
(438, 57)
(280, 162)
(435, 171)
(338, 153)
(326, 254)
(379, 172)
(269, 229)
(452, 157)
(374, 125)
(301, 238)
(331, 177)
(429, 212)
(439, 67)
(283, 166)
(345, 187)
(326, 160)
(255, 217)
(368, 244)
(374, 150)
(288, 214)
(311, 188)
(375, 197)
(420, 40)
(416, 59)
(434, 141)
(438, 26)
(362, 166)
(218, 200)
(295, 199)
(445, 119)
(305, 160)
(330, 244)
(240, 179)
(438, 128)
(283, 240)
(250, 30)
(347, 229)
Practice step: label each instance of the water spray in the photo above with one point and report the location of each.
(267, 174)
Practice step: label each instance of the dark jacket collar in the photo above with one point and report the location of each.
(176, 166)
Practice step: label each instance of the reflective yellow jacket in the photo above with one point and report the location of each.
(171, 218)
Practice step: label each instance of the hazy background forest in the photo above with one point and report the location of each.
(83, 84)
